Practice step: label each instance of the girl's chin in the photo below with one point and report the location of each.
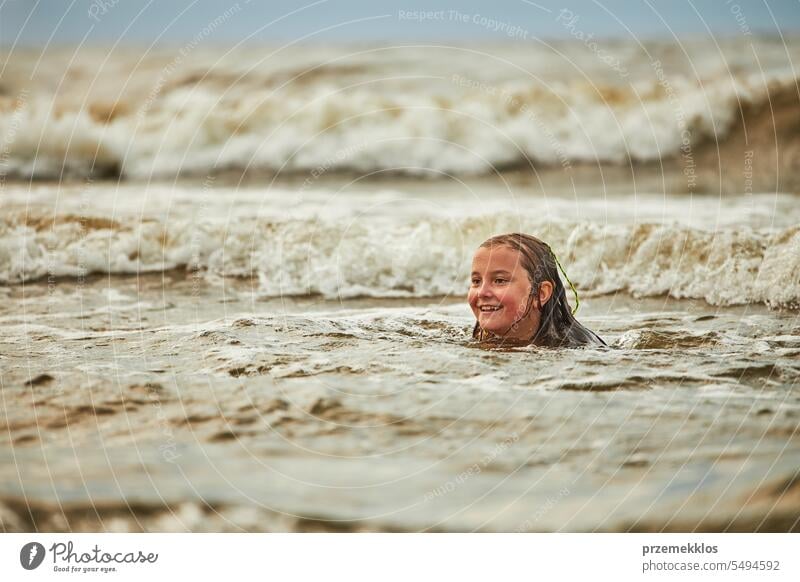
(495, 327)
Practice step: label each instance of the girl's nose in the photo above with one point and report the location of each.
(485, 290)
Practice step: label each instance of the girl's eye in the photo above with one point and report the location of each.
(476, 281)
(501, 281)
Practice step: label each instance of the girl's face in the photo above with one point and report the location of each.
(500, 292)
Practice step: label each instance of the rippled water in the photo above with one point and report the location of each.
(355, 400)
(278, 340)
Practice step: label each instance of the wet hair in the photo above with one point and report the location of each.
(557, 325)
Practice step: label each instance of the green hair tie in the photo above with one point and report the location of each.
(571, 286)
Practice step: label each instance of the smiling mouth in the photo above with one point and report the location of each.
(489, 308)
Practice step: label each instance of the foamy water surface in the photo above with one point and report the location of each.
(411, 108)
(291, 351)
(313, 369)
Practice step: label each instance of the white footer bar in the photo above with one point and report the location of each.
(401, 557)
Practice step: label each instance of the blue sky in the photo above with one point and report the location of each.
(37, 22)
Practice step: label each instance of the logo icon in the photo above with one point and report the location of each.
(31, 555)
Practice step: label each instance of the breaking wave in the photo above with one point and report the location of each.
(429, 257)
(192, 120)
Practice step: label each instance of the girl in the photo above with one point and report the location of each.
(517, 295)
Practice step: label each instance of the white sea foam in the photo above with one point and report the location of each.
(452, 110)
(420, 257)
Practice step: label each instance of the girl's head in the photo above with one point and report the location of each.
(516, 293)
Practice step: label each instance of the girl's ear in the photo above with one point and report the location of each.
(545, 292)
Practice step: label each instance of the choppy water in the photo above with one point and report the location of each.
(417, 240)
(413, 108)
(291, 351)
(355, 400)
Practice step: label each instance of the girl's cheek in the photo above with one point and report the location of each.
(521, 305)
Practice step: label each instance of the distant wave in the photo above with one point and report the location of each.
(196, 124)
(340, 258)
